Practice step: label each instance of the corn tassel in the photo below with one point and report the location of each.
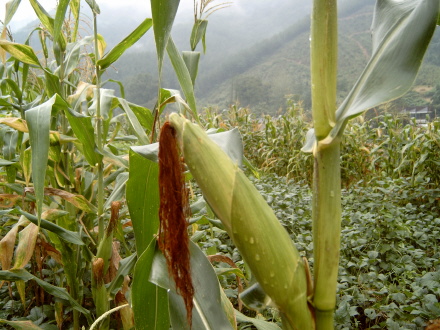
(251, 223)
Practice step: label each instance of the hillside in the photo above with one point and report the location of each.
(263, 75)
(257, 54)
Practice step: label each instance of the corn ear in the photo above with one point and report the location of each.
(248, 219)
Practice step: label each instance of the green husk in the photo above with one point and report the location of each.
(248, 219)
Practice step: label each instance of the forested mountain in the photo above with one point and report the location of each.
(257, 54)
(262, 74)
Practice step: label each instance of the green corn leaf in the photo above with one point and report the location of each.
(42, 36)
(83, 128)
(255, 298)
(143, 198)
(116, 52)
(38, 121)
(9, 144)
(61, 293)
(150, 304)
(43, 16)
(21, 325)
(75, 8)
(126, 266)
(67, 235)
(13, 86)
(59, 18)
(259, 324)
(73, 54)
(149, 301)
(207, 296)
(94, 6)
(11, 8)
(144, 115)
(47, 21)
(118, 190)
(135, 124)
(164, 12)
(52, 85)
(401, 33)
(168, 96)
(121, 86)
(191, 60)
(198, 33)
(22, 53)
(183, 76)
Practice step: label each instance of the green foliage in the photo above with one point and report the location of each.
(65, 142)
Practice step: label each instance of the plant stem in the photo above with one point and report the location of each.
(326, 230)
(326, 210)
(324, 56)
(100, 165)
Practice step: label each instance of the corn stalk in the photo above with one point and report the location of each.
(326, 209)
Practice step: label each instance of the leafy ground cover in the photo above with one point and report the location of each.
(389, 270)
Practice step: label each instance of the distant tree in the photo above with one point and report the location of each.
(435, 102)
(141, 89)
(251, 91)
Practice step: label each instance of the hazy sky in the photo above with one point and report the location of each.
(25, 12)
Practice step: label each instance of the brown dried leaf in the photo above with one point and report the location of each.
(78, 200)
(8, 200)
(26, 244)
(15, 123)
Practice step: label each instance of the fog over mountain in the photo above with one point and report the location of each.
(257, 51)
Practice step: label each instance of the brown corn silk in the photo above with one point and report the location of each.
(173, 235)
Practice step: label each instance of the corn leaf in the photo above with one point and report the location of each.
(133, 119)
(67, 235)
(164, 12)
(118, 190)
(75, 8)
(23, 53)
(83, 128)
(47, 21)
(149, 301)
(59, 18)
(73, 54)
(126, 266)
(21, 325)
(26, 244)
(191, 60)
(11, 8)
(401, 33)
(207, 298)
(77, 200)
(144, 115)
(7, 244)
(259, 324)
(94, 6)
(61, 293)
(116, 52)
(150, 304)
(183, 76)
(198, 33)
(38, 121)
(143, 199)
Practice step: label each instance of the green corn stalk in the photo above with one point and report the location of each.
(251, 223)
(326, 206)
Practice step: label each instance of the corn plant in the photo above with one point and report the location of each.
(397, 52)
(61, 141)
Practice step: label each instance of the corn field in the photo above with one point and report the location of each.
(116, 216)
